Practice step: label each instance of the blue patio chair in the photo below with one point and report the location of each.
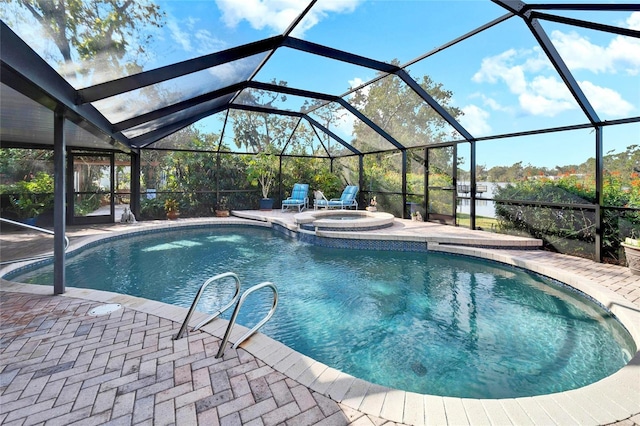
(319, 200)
(346, 200)
(298, 197)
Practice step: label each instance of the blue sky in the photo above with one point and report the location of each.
(500, 79)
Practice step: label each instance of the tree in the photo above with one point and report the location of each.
(262, 170)
(98, 34)
(627, 162)
(257, 131)
(328, 115)
(17, 164)
(399, 111)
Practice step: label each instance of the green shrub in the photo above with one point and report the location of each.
(151, 209)
(566, 229)
(87, 205)
(30, 198)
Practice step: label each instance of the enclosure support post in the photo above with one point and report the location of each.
(112, 185)
(426, 184)
(361, 200)
(404, 186)
(59, 213)
(454, 179)
(217, 178)
(134, 197)
(280, 179)
(472, 183)
(599, 194)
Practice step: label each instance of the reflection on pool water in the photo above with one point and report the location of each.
(423, 322)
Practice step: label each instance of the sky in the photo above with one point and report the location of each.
(500, 79)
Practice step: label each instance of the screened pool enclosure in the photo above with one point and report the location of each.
(505, 116)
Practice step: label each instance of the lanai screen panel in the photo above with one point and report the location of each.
(348, 170)
(526, 163)
(272, 99)
(177, 117)
(80, 62)
(76, 136)
(398, 110)
(621, 163)
(605, 65)
(464, 164)
(330, 76)
(199, 27)
(614, 18)
(415, 171)
(130, 104)
(203, 135)
(151, 34)
(350, 128)
(305, 141)
(383, 171)
(405, 28)
(229, 142)
(500, 87)
(253, 132)
(333, 147)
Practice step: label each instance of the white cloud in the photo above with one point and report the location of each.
(550, 87)
(545, 96)
(356, 82)
(622, 54)
(625, 52)
(207, 43)
(578, 52)
(178, 35)
(495, 105)
(536, 60)
(232, 72)
(277, 15)
(536, 104)
(184, 33)
(529, 74)
(605, 100)
(633, 22)
(501, 68)
(474, 120)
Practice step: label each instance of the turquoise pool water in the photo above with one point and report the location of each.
(423, 322)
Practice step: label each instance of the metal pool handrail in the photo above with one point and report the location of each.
(35, 228)
(232, 321)
(185, 324)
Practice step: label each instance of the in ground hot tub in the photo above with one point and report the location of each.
(343, 220)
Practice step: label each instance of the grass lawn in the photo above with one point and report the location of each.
(483, 222)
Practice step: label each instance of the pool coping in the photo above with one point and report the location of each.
(611, 399)
(366, 221)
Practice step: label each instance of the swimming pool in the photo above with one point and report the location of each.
(461, 326)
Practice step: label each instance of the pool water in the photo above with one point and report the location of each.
(422, 322)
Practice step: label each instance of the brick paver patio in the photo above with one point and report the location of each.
(61, 366)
